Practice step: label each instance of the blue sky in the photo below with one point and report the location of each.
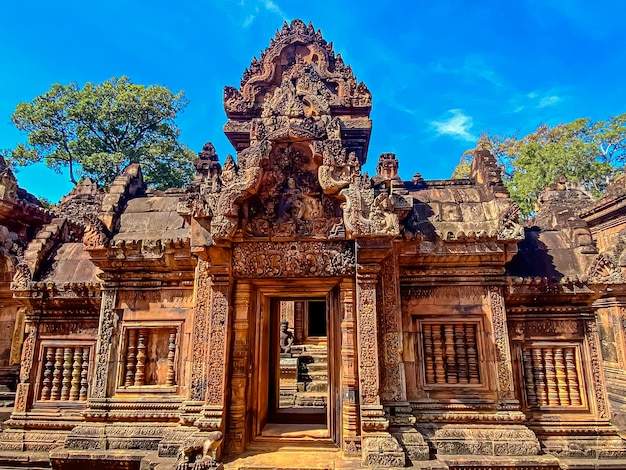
(440, 72)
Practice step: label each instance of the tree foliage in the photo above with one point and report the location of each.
(584, 151)
(99, 129)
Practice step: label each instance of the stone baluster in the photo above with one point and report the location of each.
(55, 392)
(76, 369)
(538, 371)
(472, 353)
(461, 353)
(561, 381)
(67, 373)
(572, 377)
(440, 375)
(47, 374)
(171, 350)
(529, 378)
(140, 368)
(428, 353)
(451, 366)
(553, 394)
(298, 320)
(131, 358)
(84, 383)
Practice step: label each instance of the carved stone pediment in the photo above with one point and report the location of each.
(301, 127)
(605, 269)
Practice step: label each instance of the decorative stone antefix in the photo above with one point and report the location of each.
(379, 447)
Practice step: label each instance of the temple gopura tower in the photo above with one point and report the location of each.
(286, 310)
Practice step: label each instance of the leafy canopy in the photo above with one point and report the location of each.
(584, 151)
(98, 130)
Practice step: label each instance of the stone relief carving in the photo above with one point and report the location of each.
(200, 332)
(294, 176)
(503, 357)
(304, 259)
(391, 335)
(593, 340)
(605, 269)
(107, 331)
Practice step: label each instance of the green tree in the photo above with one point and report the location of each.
(584, 151)
(98, 130)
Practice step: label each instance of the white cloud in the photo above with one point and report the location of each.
(548, 101)
(533, 100)
(248, 20)
(457, 126)
(274, 8)
(474, 66)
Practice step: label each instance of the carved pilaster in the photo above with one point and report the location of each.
(106, 349)
(372, 416)
(215, 400)
(28, 354)
(379, 448)
(503, 350)
(200, 331)
(599, 390)
(394, 385)
(350, 405)
(236, 433)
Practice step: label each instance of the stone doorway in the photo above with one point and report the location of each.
(296, 378)
(298, 386)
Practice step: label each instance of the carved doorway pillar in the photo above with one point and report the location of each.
(379, 447)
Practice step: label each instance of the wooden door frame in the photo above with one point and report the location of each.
(264, 291)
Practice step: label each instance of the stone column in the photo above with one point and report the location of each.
(379, 447)
(350, 390)
(236, 432)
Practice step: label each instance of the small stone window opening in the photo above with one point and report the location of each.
(149, 357)
(450, 353)
(65, 374)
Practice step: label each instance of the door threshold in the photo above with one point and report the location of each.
(295, 431)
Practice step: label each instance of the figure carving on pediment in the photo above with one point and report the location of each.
(96, 235)
(290, 204)
(510, 228)
(22, 277)
(366, 213)
(605, 269)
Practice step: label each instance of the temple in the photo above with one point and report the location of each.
(287, 310)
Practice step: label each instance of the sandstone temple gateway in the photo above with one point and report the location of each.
(286, 310)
